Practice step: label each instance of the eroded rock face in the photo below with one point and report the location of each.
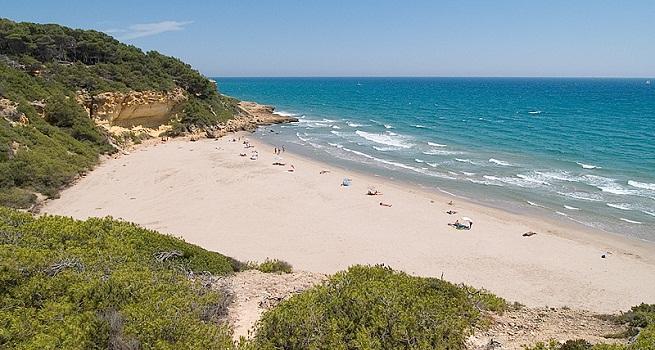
(147, 108)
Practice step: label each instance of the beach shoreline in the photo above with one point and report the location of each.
(207, 194)
(580, 231)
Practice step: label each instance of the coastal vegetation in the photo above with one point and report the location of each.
(376, 308)
(46, 136)
(102, 283)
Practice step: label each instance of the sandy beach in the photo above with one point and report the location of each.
(208, 194)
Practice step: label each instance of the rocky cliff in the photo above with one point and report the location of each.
(128, 109)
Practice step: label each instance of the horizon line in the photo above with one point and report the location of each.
(431, 76)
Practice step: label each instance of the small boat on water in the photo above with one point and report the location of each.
(647, 82)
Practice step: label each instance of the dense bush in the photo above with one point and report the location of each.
(372, 308)
(67, 284)
(272, 266)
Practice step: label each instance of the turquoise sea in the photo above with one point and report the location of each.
(571, 149)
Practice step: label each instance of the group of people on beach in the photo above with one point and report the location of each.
(279, 150)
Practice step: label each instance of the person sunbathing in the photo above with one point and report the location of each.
(324, 172)
(385, 204)
(373, 192)
(451, 212)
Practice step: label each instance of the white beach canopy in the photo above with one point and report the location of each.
(466, 218)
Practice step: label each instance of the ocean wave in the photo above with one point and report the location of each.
(386, 149)
(468, 173)
(336, 127)
(285, 114)
(606, 184)
(419, 160)
(301, 138)
(354, 125)
(535, 112)
(440, 152)
(536, 204)
(582, 196)
(388, 126)
(515, 181)
(499, 162)
(434, 165)
(642, 185)
(337, 145)
(419, 126)
(571, 208)
(622, 206)
(631, 221)
(560, 213)
(433, 144)
(483, 182)
(385, 139)
(533, 178)
(399, 165)
(461, 160)
(651, 213)
(587, 166)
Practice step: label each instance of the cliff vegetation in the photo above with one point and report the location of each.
(47, 132)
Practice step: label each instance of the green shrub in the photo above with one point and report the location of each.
(274, 266)
(371, 308)
(16, 198)
(68, 284)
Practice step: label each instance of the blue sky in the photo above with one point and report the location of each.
(375, 38)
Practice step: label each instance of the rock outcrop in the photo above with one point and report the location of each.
(127, 109)
(9, 111)
(251, 115)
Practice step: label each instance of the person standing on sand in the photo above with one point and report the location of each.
(283, 149)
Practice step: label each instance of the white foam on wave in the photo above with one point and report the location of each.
(385, 139)
(587, 166)
(560, 213)
(631, 221)
(647, 212)
(337, 145)
(535, 204)
(571, 208)
(434, 165)
(606, 185)
(468, 173)
(534, 178)
(336, 127)
(440, 152)
(388, 126)
(434, 144)
(535, 112)
(303, 139)
(515, 181)
(642, 185)
(285, 114)
(622, 206)
(419, 126)
(483, 182)
(591, 197)
(354, 125)
(399, 165)
(419, 160)
(386, 149)
(499, 162)
(461, 160)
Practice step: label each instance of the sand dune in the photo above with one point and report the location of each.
(250, 209)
